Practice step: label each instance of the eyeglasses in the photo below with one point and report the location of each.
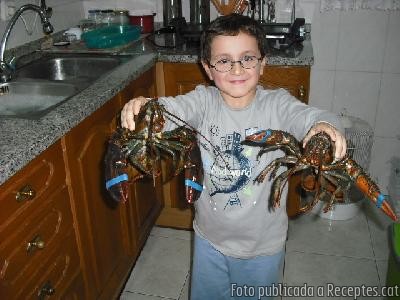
(225, 65)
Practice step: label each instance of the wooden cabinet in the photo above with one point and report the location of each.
(62, 236)
(99, 220)
(110, 233)
(295, 79)
(38, 248)
(181, 78)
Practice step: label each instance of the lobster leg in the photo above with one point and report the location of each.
(280, 183)
(277, 187)
(274, 166)
(339, 188)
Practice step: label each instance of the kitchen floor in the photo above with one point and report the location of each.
(319, 252)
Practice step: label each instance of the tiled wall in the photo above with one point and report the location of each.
(357, 67)
(66, 13)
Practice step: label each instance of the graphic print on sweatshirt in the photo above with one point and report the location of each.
(231, 169)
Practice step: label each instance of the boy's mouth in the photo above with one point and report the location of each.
(237, 81)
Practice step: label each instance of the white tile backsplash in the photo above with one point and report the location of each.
(388, 115)
(321, 88)
(392, 57)
(382, 151)
(362, 40)
(324, 37)
(65, 14)
(358, 93)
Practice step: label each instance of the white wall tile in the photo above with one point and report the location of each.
(324, 37)
(362, 40)
(321, 88)
(382, 152)
(388, 115)
(65, 14)
(358, 93)
(392, 56)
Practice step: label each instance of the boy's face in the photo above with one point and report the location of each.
(237, 86)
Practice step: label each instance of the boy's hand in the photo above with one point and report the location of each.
(335, 135)
(130, 110)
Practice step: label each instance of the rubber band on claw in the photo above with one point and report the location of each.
(116, 180)
(379, 200)
(194, 185)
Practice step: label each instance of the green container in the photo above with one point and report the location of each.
(393, 274)
(111, 36)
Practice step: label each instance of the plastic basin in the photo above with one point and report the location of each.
(111, 36)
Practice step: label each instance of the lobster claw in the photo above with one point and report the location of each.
(116, 176)
(382, 203)
(194, 175)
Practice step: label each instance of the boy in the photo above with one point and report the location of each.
(238, 242)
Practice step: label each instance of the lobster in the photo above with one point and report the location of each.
(144, 147)
(326, 173)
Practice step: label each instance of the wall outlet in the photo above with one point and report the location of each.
(7, 9)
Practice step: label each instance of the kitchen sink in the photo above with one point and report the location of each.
(41, 85)
(32, 99)
(79, 70)
(68, 68)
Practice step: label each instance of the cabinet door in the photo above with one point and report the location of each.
(181, 78)
(101, 222)
(295, 79)
(145, 198)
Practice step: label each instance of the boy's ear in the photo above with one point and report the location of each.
(206, 68)
(263, 63)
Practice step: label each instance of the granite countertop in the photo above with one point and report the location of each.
(23, 139)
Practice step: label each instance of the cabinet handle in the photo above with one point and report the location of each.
(302, 92)
(46, 290)
(36, 243)
(26, 193)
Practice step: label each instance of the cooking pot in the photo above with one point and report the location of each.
(146, 21)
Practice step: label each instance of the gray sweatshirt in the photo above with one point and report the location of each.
(232, 212)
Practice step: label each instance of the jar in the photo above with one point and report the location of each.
(121, 17)
(95, 15)
(107, 16)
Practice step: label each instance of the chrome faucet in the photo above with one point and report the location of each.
(6, 69)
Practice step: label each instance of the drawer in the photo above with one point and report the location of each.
(55, 276)
(31, 239)
(41, 176)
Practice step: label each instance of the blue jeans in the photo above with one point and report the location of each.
(217, 276)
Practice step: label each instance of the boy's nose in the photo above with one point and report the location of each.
(237, 67)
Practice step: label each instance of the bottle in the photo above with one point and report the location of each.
(107, 16)
(121, 17)
(95, 15)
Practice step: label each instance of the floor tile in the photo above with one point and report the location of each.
(378, 225)
(318, 271)
(185, 290)
(162, 268)
(173, 233)
(382, 266)
(312, 234)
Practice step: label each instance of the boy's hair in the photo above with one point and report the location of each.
(230, 25)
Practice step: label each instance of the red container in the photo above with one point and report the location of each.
(145, 21)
